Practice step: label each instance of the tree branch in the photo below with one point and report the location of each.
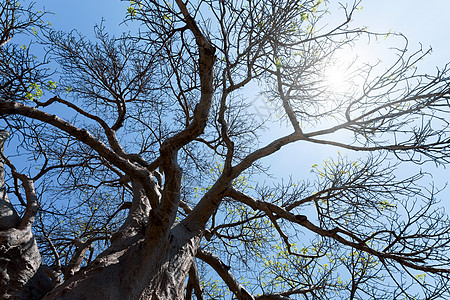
(413, 262)
(224, 272)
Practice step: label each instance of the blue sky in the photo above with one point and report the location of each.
(421, 23)
(424, 25)
(428, 24)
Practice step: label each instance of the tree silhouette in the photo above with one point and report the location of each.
(142, 173)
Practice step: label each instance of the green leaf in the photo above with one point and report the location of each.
(278, 64)
(51, 85)
(131, 11)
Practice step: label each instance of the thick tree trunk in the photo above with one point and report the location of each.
(8, 216)
(139, 269)
(20, 274)
(147, 258)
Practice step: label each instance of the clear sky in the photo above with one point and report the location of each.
(422, 22)
(425, 22)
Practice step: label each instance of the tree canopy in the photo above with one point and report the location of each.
(136, 165)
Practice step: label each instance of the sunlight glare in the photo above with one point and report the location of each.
(337, 79)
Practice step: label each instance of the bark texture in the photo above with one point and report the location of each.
(21, 276)
(8, 216)
(137, 269)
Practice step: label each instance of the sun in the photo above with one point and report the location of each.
(347, 70)
(341, 80)
(337, 78)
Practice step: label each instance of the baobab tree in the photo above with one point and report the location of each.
(144, 174)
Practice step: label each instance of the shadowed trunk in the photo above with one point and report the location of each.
(138, 269)
(8, 215)
(146, 260)
(21, 276)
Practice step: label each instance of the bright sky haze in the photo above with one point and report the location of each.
(424, 25)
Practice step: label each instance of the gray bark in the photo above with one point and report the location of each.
(147, 259)
(139, 269)
(21, 275)
(8, 216)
